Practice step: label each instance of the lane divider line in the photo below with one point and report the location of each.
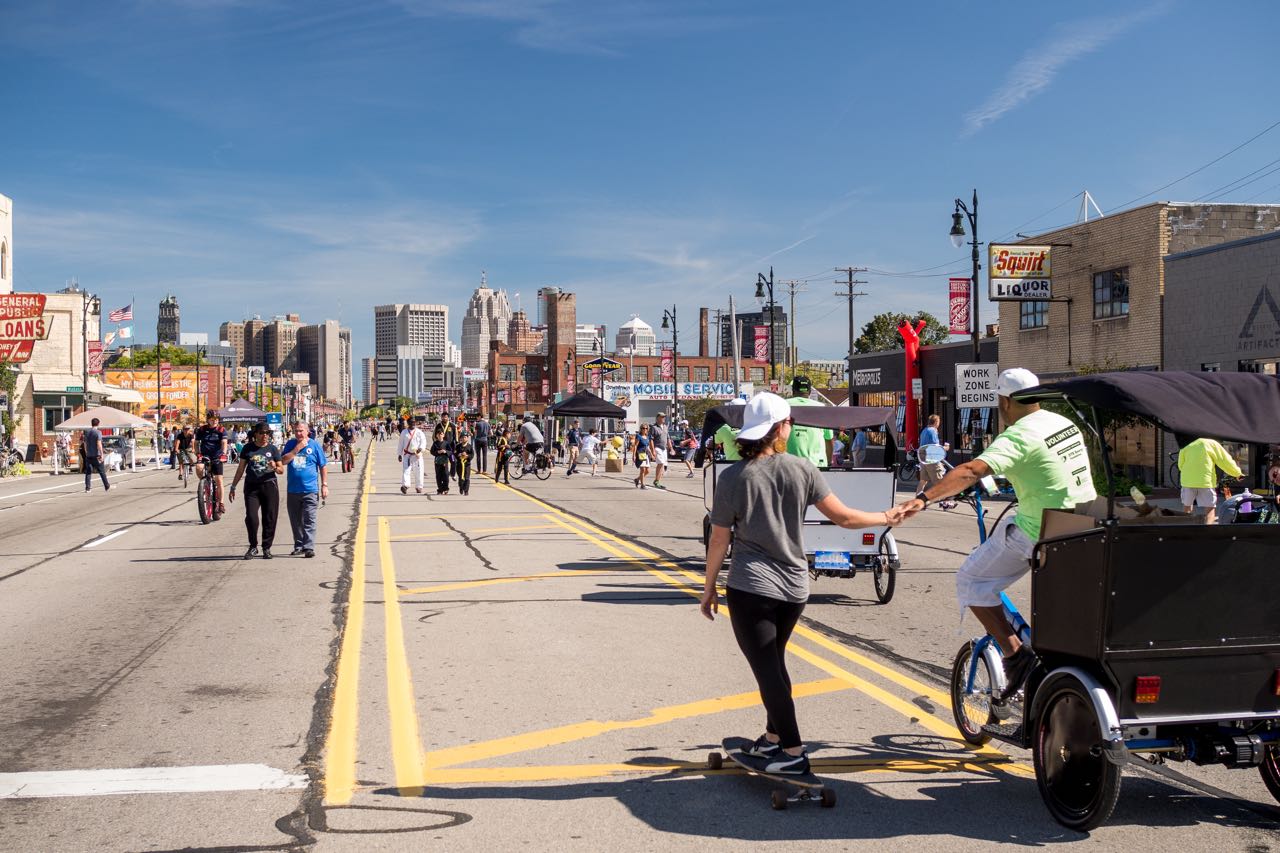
(147, 780)
(406, 741)
(340, 746)
(449, 587)
(95, 543)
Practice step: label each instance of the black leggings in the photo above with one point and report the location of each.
(262, 499)
(762, 627)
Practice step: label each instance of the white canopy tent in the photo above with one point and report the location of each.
(108, 418)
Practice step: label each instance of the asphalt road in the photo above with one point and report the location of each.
(520, 668)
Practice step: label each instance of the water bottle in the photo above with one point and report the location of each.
(1246, 504)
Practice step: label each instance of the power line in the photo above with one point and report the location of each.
(1198, 170)
(1231, 185)
(1241, 183)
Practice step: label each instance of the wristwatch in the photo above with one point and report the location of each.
(920, 496)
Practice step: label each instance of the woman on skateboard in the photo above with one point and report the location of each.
(762, 501)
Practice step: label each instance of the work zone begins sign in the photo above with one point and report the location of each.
(1019, 273)
(976, 386)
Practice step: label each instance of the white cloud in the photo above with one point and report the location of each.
(1037, 68)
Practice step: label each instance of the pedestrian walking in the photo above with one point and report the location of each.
(762, 502)
(859, 448)
(1197, 463)
(442, 453)
(91, 452)
(260, 467)
(573, 438)
(464, 469)
(589, 453)
(502, 453)
(660, 448)
(641, 448)
(413, 442)
(481, 444)
(307, 483)
(688, 447)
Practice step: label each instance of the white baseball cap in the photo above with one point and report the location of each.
(1015, 379)
(762, 412)
(736, 401)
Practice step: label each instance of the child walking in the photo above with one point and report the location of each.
(441, 451)
(464, 469)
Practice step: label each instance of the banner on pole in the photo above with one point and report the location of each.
(960, 310)
(522, 395)
(546, 388)
(668, 364)
(568, 385)
(762, 344)
(95, 357)
(166, 375)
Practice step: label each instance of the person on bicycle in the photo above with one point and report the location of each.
(1199, 461)
(762, 501)
(211, 440)
(1044, 456)
(347, 435)
(531, 440)
(184, 445)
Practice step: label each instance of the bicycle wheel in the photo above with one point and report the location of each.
(908, 473)
(884, 574)
(515, 468)
(204, 499)
(1175, 475)
(971, 708)
(542, 466)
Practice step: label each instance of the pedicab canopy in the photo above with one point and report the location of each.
(873, 418)
(584, 404)
(1242, 407)
(241, 410)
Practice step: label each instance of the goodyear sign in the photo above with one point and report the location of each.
(606, 365)
(1019, 273)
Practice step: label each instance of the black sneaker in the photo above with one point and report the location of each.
(789, 765)
(295, 552)
(266, 553)
(251, 553)
(1017, 667)
(763, 748)
(308, 553)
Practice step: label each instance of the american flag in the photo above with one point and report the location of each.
(121, 315)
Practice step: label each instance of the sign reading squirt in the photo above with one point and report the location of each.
(1019, 273)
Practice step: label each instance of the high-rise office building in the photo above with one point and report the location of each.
(520, 335)
(637, 334)
(385, 377)
(368, 380)
(410, 372)
(591, 340)
(324, 353)
(415, 325)
(747, 344)
(280, 344)
(546, 297)
(488, 315)
(168, 326)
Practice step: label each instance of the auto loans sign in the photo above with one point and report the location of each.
(22, 323)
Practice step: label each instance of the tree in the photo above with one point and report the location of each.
(9, 385)
(818, 377)
(881, 333)
(146, 357)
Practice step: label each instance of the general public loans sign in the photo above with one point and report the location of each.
(22, 323)
(1019, 273)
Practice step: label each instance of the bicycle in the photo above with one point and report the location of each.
(207, 494)
(186, 469)
(1175, 473)
(909, 470)
(348, 459)
(541, 466)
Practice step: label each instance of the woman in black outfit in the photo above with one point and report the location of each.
(260, 466)
(762, 500)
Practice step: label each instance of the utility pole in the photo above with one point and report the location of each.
(850, 295)
(793, 287)
(735, 338)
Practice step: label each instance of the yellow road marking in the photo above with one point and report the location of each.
(564, 573)
(591, 728)
(457, 515)
(406, 743)
(404, 537)
(826, 767)
(340, 746)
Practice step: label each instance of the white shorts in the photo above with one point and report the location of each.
(994, 566)
(1207, 498)
(659, 456)
(587, 458)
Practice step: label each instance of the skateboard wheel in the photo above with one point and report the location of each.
(715, 761)
(828, 798)
(779, 800)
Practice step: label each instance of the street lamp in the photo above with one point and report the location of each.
(669, 322)
(957, 239)
(763, 284)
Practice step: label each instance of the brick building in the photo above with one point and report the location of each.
(1108, 289)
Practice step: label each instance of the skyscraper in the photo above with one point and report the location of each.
(487, 319)
(168, 325)
(520, 335)
(638, 334)
(324, 352)
(368, 380)
(415, 325)
(591, 340)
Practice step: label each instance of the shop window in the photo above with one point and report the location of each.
(702, 374)
(1033, 315)
(640, 374)
(757, 374)
(54, 416)
(506, 373)
(1111, 294)
(532, 372)
(682, 374)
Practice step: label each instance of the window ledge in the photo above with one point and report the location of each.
(1111, 319)
(1044, 328)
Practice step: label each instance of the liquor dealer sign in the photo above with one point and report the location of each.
(22, 323)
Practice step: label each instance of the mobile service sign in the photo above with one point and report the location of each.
(1019, 273)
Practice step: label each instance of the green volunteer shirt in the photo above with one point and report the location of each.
(808, 442)
(1197, 460)
(1045, 458)
(727, 437)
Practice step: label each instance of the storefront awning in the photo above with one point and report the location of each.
(114, 394)
(57, 383)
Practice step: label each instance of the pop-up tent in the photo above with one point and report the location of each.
(242, 411)
(584, 404)
(108, 418)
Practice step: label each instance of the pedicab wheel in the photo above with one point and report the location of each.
(715, 761)
(779, 799)
(1077, 782)
(828, 798)
(885, 574)
(1270, 770)
(971, 709)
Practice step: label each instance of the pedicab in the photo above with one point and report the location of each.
(1156, 636)
(831, 550)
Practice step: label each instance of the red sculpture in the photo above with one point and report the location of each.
(911, 348)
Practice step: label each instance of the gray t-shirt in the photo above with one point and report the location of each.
(764, 501)
(660, 437)
(92, 442)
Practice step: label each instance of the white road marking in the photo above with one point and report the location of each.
(147, 780)
(95, 543)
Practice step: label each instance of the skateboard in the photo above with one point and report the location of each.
(806, 788)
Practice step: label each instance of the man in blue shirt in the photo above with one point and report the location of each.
(932, 473)
(307, 484)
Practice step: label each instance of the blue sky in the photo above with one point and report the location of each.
(270, 157)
